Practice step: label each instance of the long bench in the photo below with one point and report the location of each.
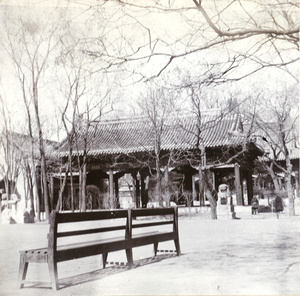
(78, 235)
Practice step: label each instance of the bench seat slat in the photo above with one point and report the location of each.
(145, 239)
(79, 250)
(86, 250)
(89, 243)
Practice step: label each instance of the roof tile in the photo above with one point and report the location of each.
(138, 134)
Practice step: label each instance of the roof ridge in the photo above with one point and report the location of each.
(140, 118)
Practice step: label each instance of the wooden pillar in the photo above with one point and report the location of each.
(136, 189)
(249, 187)
(244, 189)
(104, 188)
(238, 188)
(201, 188)
(138, 192)
(187, 185)
(111, 189)
(117, 192)
(194, 193)
(167, 193)
(144, 198)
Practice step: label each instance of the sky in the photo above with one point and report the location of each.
(111, 26)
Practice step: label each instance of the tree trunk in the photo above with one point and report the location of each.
(158, 189)
(111, 190)
(45, 185)
(213, 204)
(61, 190)
(274, 178)
(158, 179)
(6, 185)
(33, 170)
(80, 190)
(30, 188)
(37, 199)
(41, 148)
(72, 183)
(210, 193)
(167, 189)
(83, 188)
(289, 188)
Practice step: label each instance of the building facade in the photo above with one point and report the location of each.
(123, 159)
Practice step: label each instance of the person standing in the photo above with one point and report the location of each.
(278, 204)
(254, 205)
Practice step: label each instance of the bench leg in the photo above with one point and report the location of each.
(53, 274)
(104, 259)
(177, 246)
(22, 270)
(129, 257)
(155, 245)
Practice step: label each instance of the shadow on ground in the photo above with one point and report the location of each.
(113, 268)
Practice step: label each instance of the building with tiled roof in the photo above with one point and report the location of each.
(118, 147)
(135, 135)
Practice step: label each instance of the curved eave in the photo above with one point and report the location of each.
(170, 147)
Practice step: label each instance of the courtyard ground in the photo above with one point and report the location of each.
(253, 255)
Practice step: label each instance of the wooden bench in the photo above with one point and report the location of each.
(98, 233)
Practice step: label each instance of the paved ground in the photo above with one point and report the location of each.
(254, 255)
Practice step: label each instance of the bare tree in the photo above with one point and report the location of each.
(156, 106)
(277, 121)
(210, 106)
(266, 34)
(73, 86)
(241, 38)
(11, 154)
(29, 43)
(87, 98)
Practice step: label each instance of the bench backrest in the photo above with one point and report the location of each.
(85, 225)
(72, 228)
(156, 219)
